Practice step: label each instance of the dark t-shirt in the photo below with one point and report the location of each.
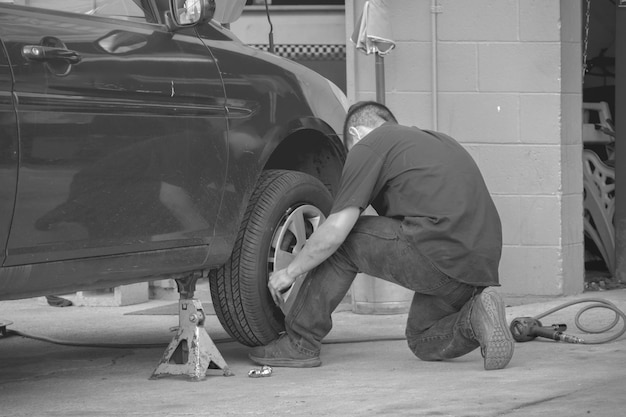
(431, 183)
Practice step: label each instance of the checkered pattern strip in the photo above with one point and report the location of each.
(308, 52)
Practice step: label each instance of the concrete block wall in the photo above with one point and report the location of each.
(508, 86)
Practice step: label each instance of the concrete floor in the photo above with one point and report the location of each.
(364, 378)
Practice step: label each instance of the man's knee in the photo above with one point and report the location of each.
(420, 351)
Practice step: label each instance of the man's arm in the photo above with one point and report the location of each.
(322, 244)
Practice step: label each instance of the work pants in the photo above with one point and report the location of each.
(438, 325)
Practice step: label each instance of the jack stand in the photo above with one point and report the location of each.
(191, 352)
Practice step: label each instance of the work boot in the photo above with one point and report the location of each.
(282, 352)
(488, 322)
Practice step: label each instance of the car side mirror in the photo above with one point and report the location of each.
(186, 13)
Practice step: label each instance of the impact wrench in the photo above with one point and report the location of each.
(525, 329)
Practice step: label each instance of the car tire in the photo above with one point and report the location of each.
(279, 203)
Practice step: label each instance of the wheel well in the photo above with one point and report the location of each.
(311, 152)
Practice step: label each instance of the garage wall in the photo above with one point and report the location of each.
(312, 35)
(508, 83)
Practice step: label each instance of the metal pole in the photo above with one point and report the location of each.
(380, 78)
(434, 10)
(620, 144)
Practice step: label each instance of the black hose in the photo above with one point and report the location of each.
(46, 339)
(599, 303)
(271, 33)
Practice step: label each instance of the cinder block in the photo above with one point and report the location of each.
(572, 182)
(528, 270)
(408, 68)
(571, 18)
(572, 221)
(571, 67)
(521, 169)
(510, 216)
(114, 297)
(480, 118)
(541, 170)
(412, 109)
(450, 58)
(410, 19)
(571, 118)
(521, 67)
(574, 268)
(540, 118)
(541, 220)
(479, 20)
(540, 20)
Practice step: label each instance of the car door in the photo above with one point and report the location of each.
(122, 131)
(8, 151)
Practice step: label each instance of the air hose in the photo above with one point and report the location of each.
(527, 328)
(523, 328)
(10, 332)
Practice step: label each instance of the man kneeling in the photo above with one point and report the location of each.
(438, 233)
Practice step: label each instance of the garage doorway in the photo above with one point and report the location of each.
(599, 154)
(604, 47)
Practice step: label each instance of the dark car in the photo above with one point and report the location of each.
(140, 140)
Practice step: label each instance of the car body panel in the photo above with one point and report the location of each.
(111, 147)
(137, 161)
(8, 151)
(267, 101)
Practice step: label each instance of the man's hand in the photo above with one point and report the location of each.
(280, 282)
(322, 243)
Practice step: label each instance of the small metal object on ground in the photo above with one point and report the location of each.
(259, 373)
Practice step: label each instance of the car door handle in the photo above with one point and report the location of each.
(50, 53)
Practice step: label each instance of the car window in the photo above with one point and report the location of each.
(137, 10)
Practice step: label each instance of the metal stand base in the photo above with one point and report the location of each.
(3, 326)
(191, 352)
